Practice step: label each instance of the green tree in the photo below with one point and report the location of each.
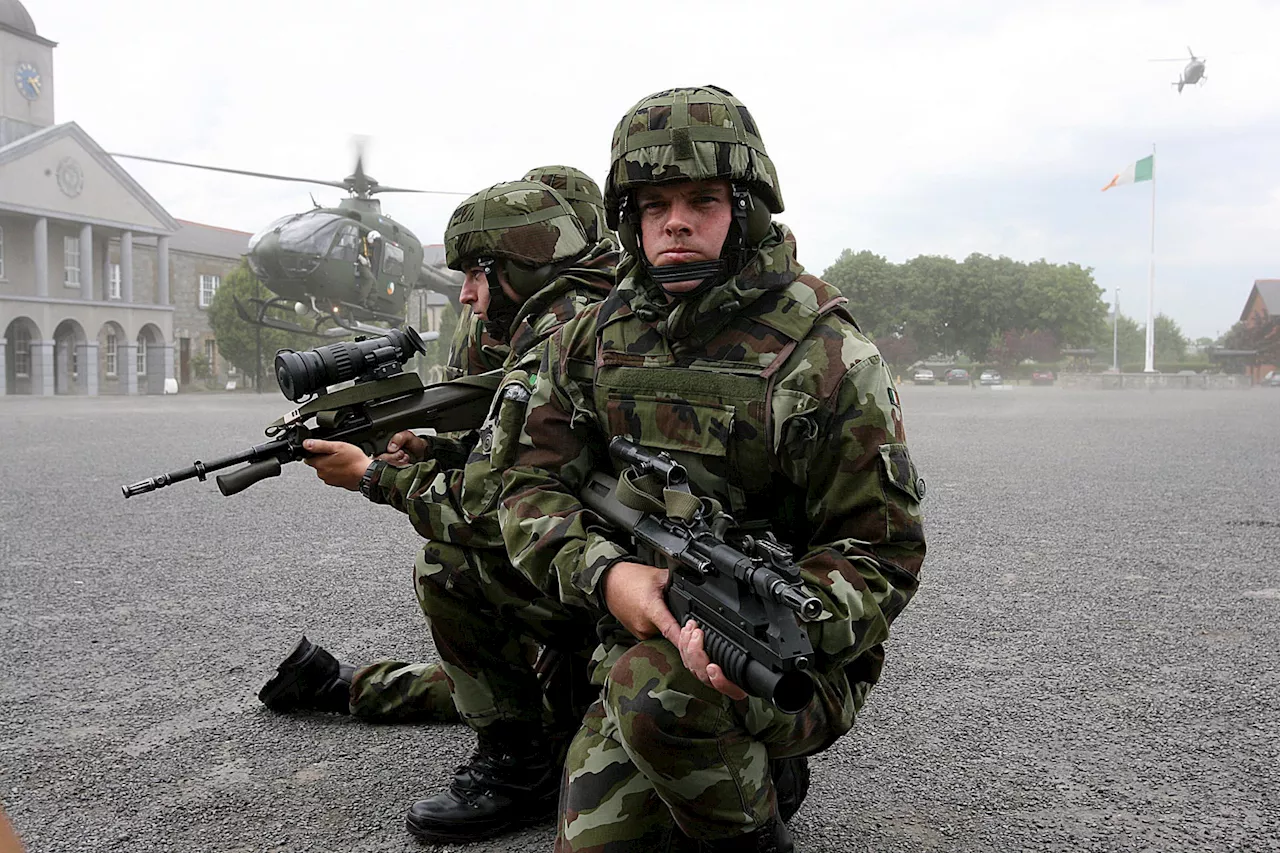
(873, 288)
(1263, 336)
(237, 339)
(1170, 343)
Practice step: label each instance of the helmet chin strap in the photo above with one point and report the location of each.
(502, 309)
(733, 255)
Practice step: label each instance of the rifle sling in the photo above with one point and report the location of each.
(640, 493)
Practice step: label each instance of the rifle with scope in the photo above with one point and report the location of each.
(744, 591)
(383, 401)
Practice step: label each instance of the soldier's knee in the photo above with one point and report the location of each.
(645, 688)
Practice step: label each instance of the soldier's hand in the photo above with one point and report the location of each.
(336, 462)
(633, 593)
(695, 658)
(405, 448)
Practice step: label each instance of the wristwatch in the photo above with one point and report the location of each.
(370, 479)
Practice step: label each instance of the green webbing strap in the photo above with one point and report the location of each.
(641, 494)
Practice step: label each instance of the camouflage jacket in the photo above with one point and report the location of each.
(819, 452)
(453, 500)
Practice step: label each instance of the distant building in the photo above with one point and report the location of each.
(1262, 304)
(99, 284)
(102, 291)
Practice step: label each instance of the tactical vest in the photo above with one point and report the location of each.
(714, 417)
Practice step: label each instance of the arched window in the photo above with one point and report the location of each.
(112, 351)
(142, 354)
(22, 352)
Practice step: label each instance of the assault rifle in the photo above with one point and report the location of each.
(382, 402)
(744, 591)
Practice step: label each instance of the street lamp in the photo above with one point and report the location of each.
(1115, 333)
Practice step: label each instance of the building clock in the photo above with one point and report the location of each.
(27, 79)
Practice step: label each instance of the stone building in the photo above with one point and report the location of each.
(1263, 304)
(101, 289)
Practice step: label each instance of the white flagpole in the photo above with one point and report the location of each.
(1151, 275)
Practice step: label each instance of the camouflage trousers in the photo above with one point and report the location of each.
(393, 691)
(662, 758)
(488, 620)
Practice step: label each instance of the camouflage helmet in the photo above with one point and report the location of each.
(689, 134)
(581, 192)
(523, 222)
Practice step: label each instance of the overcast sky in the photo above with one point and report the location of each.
(895, 127)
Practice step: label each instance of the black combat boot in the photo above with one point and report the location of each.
(512, 780)
(309, 679)
(791, 782)
(773, 837)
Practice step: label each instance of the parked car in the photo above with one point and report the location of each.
(1042, 377)
(990, 377)
(923, 377)
(1272, 381)
(956, 376)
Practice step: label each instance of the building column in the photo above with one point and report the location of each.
(129, 375)
(87, 359)
(42, 368)
(86, 262)
(168, 366)
(106, 269)
(41, 246)
(4, 348)
(126, 266)
(162, 270)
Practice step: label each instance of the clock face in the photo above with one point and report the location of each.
(27, 79)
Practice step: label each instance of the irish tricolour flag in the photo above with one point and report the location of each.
(1134, 173)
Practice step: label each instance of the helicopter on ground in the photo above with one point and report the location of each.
(349, 265)
(1192, 73)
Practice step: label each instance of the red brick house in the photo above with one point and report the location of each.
(1263, 303)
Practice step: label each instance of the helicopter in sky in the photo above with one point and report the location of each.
(350, 266)
(1192, 73)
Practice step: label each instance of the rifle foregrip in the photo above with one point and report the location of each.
(241, 479)
(791, 691)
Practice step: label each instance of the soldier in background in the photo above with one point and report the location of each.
(393, 691)
(718, 348)
(529, 269)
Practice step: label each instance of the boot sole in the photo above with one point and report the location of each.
(282, 692)
(436, 833)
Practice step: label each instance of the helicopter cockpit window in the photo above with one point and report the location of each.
(256, 238)
(392, 260)
(311, 233)
(347, 246)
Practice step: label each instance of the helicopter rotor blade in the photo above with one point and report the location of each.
(381, 189)
(340, 185)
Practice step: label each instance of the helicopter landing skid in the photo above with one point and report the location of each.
(260, 317)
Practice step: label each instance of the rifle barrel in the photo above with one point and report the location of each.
(201, 469)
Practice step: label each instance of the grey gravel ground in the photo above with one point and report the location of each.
(1091, 663)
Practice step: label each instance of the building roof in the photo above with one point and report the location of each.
(199, 239)
(209, 240)
(15, 18)
(32, 142)
(1269, 292)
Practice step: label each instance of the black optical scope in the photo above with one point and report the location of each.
(302, 374)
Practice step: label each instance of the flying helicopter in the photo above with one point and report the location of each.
(350, 266)
(1192, 73)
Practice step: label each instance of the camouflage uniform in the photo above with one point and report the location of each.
(393, 691)
(765, 389)
(398, 691)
